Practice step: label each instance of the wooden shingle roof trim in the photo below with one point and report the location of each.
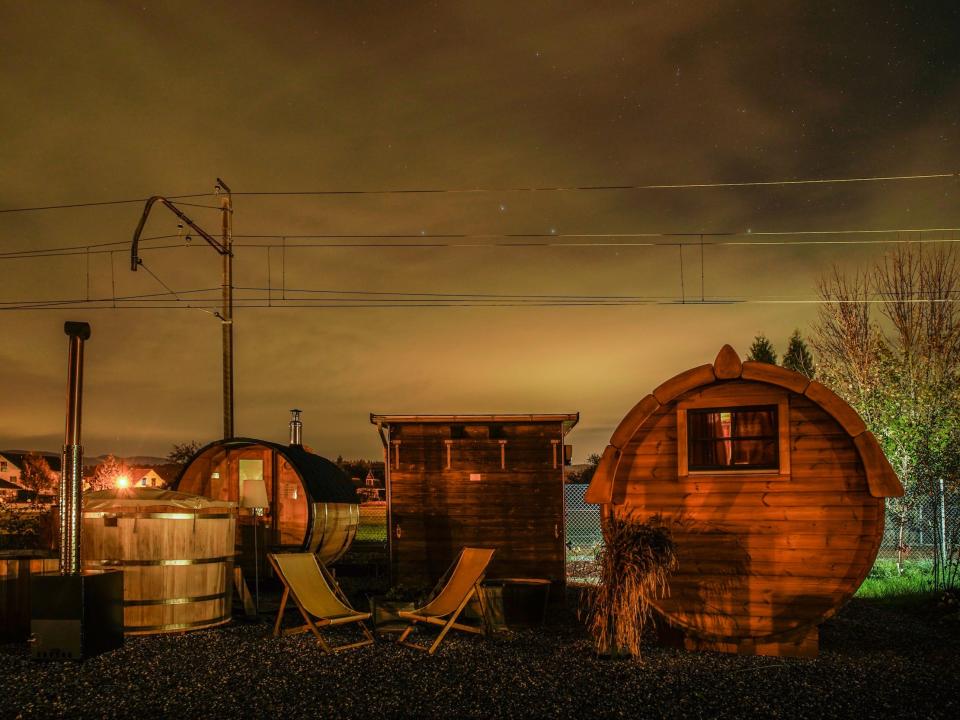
(881, 479)
(600, 490)
(495, 417)
(568, 420)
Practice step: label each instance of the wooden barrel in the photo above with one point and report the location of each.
(175, 551)
(333, 527)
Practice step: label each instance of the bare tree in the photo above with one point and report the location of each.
(181, 453)
(900, 367)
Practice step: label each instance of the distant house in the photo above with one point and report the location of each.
(9, 490)
(371, 489)
(11, 474)
(10, 465)
(145, 477)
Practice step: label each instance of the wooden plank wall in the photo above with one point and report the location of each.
(517, 509)
(761, 556)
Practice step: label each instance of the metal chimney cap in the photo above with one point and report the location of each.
(77, 329)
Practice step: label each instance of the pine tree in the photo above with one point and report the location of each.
(798, 357)
(762, 350)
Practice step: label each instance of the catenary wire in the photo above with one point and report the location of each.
(669, 237)
(515, 189)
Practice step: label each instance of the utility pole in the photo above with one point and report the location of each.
(226, 321)
(225, 248)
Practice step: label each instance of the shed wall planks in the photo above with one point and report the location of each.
(501, 486)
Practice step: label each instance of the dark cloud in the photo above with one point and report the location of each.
(118, 100)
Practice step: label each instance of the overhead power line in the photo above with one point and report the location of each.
(334, 298)
(100, 203)
(591, 188)
(652, 239)
(448, 304)
(514, 189)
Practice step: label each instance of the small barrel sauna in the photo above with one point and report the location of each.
(175, 550)
(313, 506)
(775, 492)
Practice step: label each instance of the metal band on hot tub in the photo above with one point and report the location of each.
(160, 516)
(149, 563)
(175, 601)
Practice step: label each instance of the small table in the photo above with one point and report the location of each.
(494, 591)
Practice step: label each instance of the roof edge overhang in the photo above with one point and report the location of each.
(567, 419)
(284, 450)
(882, 481)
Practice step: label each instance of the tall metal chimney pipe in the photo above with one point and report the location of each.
(71, 474)
(296, 428)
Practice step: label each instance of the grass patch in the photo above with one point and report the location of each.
(886, 582)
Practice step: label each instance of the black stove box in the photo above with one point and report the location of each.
(73, 617)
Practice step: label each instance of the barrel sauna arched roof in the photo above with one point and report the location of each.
(322, 479)
(881, 479)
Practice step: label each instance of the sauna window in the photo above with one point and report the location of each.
(739, 438)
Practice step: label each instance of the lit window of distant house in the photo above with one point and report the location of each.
(737, 438)
(3, 466)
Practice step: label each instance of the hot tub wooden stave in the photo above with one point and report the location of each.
(176, 554)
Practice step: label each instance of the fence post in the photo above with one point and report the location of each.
(943, 529)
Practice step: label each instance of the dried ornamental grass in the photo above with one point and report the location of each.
(635, 562)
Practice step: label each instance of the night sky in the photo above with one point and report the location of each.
(111, 101)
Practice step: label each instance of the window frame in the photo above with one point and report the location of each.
(732, 403)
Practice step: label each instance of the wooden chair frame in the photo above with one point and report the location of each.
(313, 625)
(451, 623)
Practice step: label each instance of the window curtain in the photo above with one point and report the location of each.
(713, 446)
(753, 452)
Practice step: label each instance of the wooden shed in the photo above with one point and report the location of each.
(475, 480)
(775, 490)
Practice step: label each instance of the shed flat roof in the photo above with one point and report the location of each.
(568, 419)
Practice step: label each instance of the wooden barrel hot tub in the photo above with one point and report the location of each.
(176, 552)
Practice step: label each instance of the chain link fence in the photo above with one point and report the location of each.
(916, 531)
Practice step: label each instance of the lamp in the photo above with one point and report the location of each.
(254, 496)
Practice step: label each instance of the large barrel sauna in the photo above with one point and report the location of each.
(775, 491)
(313, 506)
(176, 552)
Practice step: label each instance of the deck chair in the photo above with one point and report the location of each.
(317, 596)
(456, 588)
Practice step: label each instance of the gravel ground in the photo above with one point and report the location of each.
(876, 661)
